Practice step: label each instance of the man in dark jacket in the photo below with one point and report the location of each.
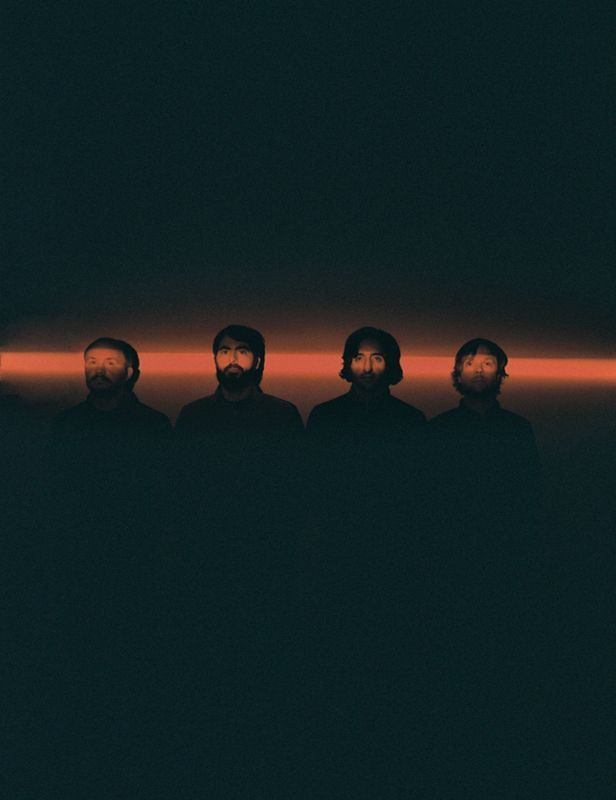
(111, 414)
(108, 522)
(239, 436)
(485, 457)
(367, 435)
(368, 412)
(238, 457)
(367, 454)
(484, 570)
(239, 418)
(111, 451)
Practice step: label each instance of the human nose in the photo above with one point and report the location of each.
(367, 365)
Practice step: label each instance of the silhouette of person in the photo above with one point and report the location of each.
(237, 453)
(112, 412)
(109, 457)
(368, 412)
(110, 460)
(483, 450)
(239, 425)
(485, 565)
(366, 449)
(368, 433)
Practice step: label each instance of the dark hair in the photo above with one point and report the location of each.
(470, 349)
(131, 355)
(252, 337)
(388, 346)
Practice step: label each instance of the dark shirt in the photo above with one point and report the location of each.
(486, 466)
(351, 418)
(131, 422)
(224, 425)
(367, 458)
(237, 462)
(126, 448)
(246, 441)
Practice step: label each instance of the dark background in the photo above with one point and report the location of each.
(440, 169)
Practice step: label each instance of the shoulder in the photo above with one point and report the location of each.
(406, 410)
(328, 410)
(197, 408)
(513, 420)
(445, 419)
(276, 402)
(152, 416)
(331, 405)
(279, 407)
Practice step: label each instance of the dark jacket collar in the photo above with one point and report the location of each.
(129, 400)
(494, 409)
(356, 396)
(255, 393)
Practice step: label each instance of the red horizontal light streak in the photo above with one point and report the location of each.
(307, 365)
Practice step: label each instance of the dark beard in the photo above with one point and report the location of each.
(487, 392)
(235, 382)
(374, 389)
(105, 387)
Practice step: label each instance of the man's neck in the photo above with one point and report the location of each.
(107, 402)
(480, 404)
(234, 396)
(371, 395)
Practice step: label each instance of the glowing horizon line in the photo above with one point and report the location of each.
(47, 363)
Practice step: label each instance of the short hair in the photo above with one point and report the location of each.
(471, 348)
(252, 337)
(388, 346)
(129, 352)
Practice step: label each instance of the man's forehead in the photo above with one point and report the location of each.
(227, 341)
(482, 350)
(104, 352)
(369, 346)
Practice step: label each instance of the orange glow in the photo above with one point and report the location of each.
(306, 365)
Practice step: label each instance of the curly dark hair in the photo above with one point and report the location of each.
(471, 348)
(129, 352)
(389, 348)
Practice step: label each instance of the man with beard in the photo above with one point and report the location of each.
(111, 439)
(111, 414)
(367, 455)
(481, 450)
(239, 423)
(107, 520)
(238, 453)
(368, 428)
(368, 436)
(484, 567)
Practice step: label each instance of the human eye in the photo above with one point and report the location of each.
(379, 359)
